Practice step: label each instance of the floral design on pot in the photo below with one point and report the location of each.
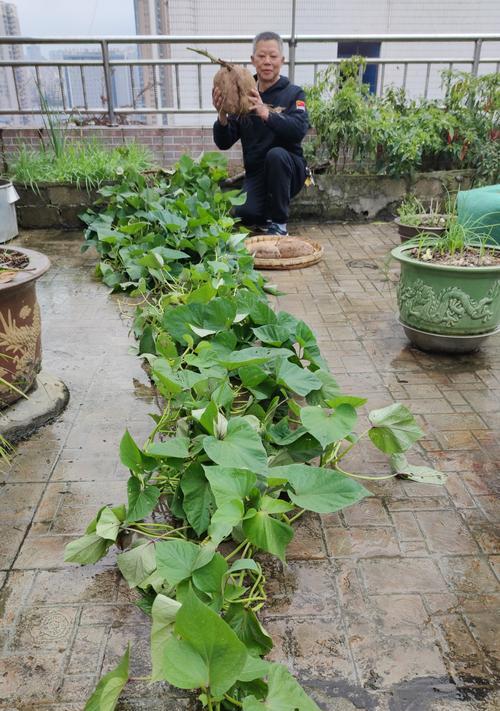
(20, 323)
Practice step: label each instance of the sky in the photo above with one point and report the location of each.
(75, 17)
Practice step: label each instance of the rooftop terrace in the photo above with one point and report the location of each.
(390, 605)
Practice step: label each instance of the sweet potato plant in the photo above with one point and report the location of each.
(253, 432)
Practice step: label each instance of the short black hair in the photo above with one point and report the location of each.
(264, 36)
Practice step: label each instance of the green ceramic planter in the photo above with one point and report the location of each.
(455, 301)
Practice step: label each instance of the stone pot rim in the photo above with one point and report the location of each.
(55, 184)
(398, 220)
(398, 253)
(39, 263)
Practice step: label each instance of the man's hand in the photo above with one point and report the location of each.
(218, 101)
(258, 106)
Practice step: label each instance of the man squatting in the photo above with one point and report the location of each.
(275, 168)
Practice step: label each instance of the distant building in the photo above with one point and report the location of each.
(320, 17)
(84, 86)
(15, 91)
(152, 17)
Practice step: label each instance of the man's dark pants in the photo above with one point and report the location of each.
(270, 189)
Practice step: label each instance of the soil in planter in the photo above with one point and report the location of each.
(469, 257)
(10, 264)
(13, 260)
(430, 221)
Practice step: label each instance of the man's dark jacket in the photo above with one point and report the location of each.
(285, 128)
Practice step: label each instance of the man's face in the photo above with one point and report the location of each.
(267, 61)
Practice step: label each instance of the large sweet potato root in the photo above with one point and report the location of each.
(292, 247)
(235, 84)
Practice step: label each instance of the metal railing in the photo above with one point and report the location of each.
(163, 93)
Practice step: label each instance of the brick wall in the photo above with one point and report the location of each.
(166, 144)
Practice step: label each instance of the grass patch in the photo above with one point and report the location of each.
(86, 164)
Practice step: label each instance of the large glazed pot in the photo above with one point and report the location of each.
(20, 327)
(407, 232)
(447, 300)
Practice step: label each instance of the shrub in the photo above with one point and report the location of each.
(397, 136)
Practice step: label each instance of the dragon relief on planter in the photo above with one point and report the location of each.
(419, 300)
(19, 345)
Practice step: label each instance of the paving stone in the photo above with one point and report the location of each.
(307, 542)
(18, 502)
(11, 537)
(47, 552)
(458, 491)
(385, 597)
(30, 677)
(76, 688)
(14, 595)
(445, 532)
(392, 575)
(86, 650)
(72, 519)
(385, 661)
(400, 615)
(441, 603)
(277, 628)
(494, 561)
(45, 627)
(318, 648)
(361, 542)
(468, 574)
(74, 585)
(485, 632)
(413, 549)
(420, 503)
(369, 512)
(305, 588)
(115, 615)
(491, 507)
(464, 657)
(406, 525)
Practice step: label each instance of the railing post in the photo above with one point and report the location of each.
(108, 82)
(477, 56)
(292, 43)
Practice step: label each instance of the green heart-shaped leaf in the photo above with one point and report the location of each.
(208, 653)
(284, 693)
(163, 613)
(268, 533)
(176, 560)
(424, 475)
(137, 564)
(109, 688)
(321, 490)
(328, 428)
(241, 447)
(141, 499)
(394, 429)
(299, 380)
(198, 500)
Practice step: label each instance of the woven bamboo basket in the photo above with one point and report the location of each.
(285, 262)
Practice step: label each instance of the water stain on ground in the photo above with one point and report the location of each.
(419, 694)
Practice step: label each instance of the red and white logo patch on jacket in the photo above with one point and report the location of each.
(300, 105)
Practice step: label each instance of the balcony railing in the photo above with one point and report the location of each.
(154, 84)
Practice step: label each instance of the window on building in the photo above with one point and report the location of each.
(364, 49)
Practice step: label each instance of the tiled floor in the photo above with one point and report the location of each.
(392, 604)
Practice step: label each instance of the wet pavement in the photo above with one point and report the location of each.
(390, 605)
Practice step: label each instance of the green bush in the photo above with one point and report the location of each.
(397, 136)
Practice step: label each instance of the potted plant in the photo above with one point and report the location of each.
(414, 219)
(20, 327)
(449, 289)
